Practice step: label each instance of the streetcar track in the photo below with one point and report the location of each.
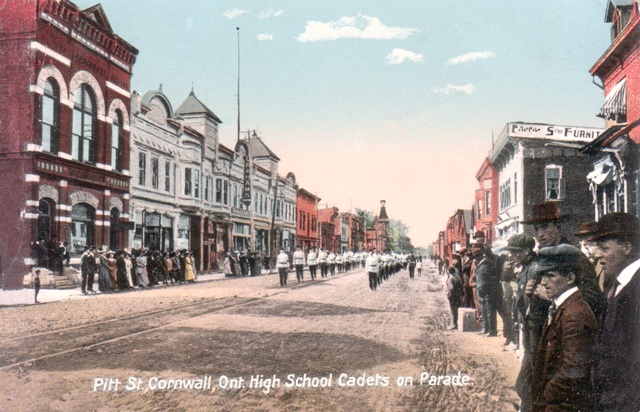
(140, 317)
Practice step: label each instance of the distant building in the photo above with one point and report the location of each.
(538, 163)
(307, 219)
(614, 178)
(485, 208)
(458, 233)
(65, 133)
(330, 224)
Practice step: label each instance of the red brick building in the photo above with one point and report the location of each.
(64, 155)
(485, 208)
(614, 179)
(307, 219)
(457, 235)
(329, 219)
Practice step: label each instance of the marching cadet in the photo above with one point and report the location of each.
(282, 263)
(372, 269)
(331, 261)
(322, 262)
(312, 263)
(298, 262)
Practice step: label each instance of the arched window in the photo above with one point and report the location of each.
(46, 208)
(84, 122)
(81, 229)
(113, 229)
(50, 116)
(117, 142)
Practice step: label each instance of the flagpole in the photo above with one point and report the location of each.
(238, 32)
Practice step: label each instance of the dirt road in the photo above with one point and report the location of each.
(247, 344)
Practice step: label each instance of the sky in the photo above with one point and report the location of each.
(374, 100)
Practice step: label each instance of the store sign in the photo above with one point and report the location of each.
(545, 131)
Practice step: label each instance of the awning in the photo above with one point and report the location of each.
(616, 101)
(507, 222)
(602, 174)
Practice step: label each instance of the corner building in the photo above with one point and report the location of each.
(64, 143)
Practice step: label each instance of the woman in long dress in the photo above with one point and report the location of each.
(228, 271)
(113, 270)
(189, 276)
(104, 283)
(141, 270)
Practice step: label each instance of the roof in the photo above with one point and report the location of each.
(468, 220)
(192, 105)
(383, 213)
(257, 148)
(614, 4)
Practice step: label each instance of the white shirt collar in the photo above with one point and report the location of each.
(560, 299)
(626, 275)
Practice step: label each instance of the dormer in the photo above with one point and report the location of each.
(619, 13)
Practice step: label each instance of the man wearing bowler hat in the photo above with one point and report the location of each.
(547, 223)
(562, 368)
(617, 371)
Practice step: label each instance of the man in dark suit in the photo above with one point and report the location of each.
(561, 377)
(617, 371)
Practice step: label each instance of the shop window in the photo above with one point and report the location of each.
(84, 122)
(117, 142)
(158, 232)
(184, 225)
(50, 116)
(81, 228)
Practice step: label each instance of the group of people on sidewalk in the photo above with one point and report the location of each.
(576, 311)
(128, 269)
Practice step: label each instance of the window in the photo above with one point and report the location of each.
(515, 188)
(46, 218)
(479, 209)
(117, 142)
(142, 168)
(218, 190)
(154, 172)
(487, 202)
(196, 184)
(50, 116)
(505, 195)
(207, 182)
(114, 215)
(187, 181)
(84, 120)
(225, 192)
(167, 176)
(81, 228)
(554, 184)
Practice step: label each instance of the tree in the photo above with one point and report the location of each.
(399, 242)
(367, 218)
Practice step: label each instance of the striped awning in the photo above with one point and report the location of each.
(616, 102)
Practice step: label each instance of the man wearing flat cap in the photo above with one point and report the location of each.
(523, 258)
(546, 220)
(565, 355)
(617, 371)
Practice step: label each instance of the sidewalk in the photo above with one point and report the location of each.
(26, 296)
